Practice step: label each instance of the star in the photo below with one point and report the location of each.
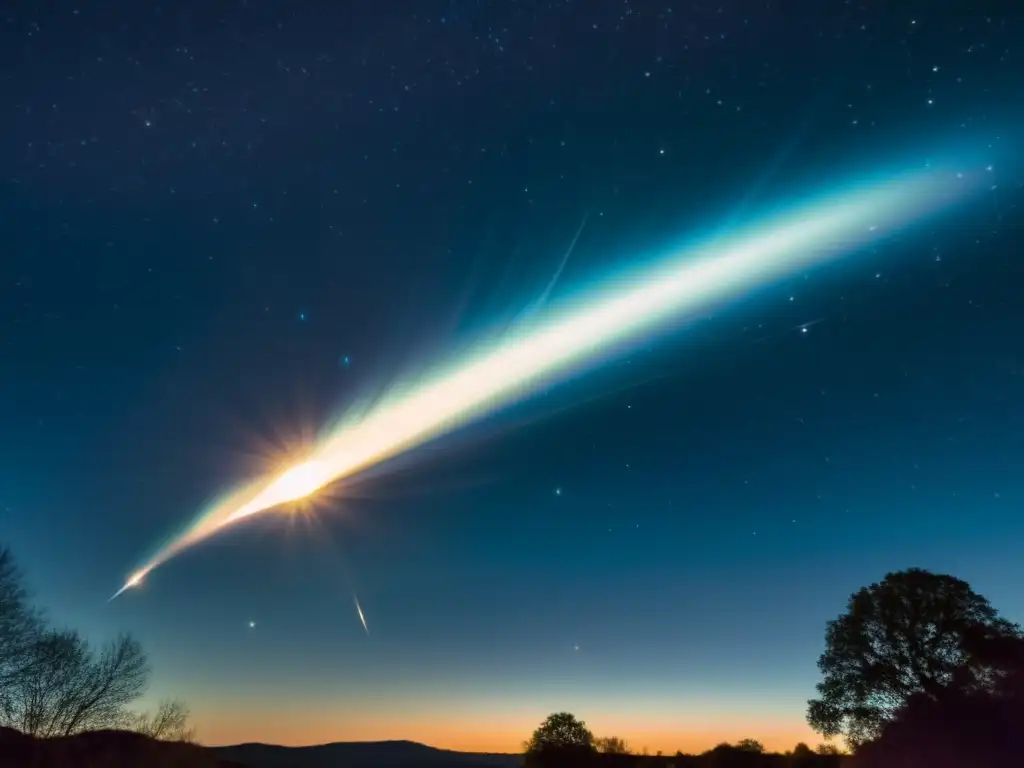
(558, 491)
(252, 625)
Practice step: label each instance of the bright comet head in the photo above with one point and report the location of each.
(298, 482)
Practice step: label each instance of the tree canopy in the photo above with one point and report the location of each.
(913, 633)
(562, 741)
(560, 730)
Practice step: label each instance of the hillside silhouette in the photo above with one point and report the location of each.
(368, 754)
(103, 749)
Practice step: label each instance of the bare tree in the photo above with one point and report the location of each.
(168, 723)
(52, 683)
(71, 689)
(20, 625)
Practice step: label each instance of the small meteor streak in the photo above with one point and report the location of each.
(542, 300)
(589, 328)
(362, 618)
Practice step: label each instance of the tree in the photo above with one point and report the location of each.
(20, 624)
(750, 745)
(958, 728)
(802, 756)
(914, 632)
(53, 683)
(168, 723)
(561, 741)
(963, 725)
(611, 745)
(70, 688)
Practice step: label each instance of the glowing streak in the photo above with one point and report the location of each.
(362, 618)
(535, 353)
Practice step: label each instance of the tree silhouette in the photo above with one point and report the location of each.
(803, 757)
(52, 683)
(915, 632)
(168, 723)
(963, 725)
(19, 624)
(71, 688)
(561, 741)
(611, 745)
(750, 745)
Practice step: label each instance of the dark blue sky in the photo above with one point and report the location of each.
(226, 221)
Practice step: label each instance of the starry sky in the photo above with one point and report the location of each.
(225, 221)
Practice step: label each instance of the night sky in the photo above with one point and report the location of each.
(225, 221)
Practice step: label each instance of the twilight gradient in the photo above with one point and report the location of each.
(226, 224)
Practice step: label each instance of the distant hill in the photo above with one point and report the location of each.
(103, 749)
(361, 754)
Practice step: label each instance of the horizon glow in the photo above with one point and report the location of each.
(541, 350)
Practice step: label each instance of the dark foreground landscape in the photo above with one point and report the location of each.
(914, 744)
(107, 749)
(920, 671)
(117, 749)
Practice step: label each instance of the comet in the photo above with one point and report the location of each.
(596, 324)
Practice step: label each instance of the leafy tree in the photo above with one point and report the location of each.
(750, 745)
(958, 728)
(828, 749)
(914, 632)
(802, 756)
(611, 745)
(561, 741)
(963, 725)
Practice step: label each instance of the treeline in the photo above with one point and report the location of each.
(565, 741)
(919, 672)
(54, 683)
